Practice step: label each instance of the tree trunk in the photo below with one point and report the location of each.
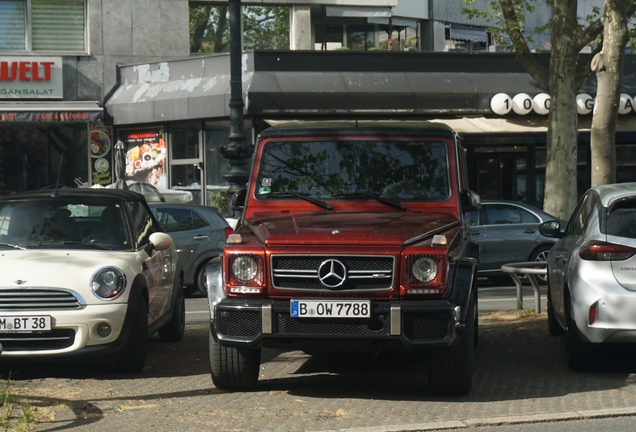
(608, 66)
(561, 169)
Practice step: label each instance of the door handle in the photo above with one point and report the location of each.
(529, 231)
(476, 233)
(200, 237)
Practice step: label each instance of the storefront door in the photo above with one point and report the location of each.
(186, 167)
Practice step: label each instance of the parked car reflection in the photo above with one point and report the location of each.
(508, 232)
(154, 195)
(199, 234)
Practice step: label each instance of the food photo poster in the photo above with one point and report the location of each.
(146, 156)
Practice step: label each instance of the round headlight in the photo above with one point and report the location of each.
(245, 268)
(424, 269)
(108, 283)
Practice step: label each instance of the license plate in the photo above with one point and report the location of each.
(330, 308)
(25, 324)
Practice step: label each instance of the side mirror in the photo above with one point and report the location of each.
(470, 201)
(551, 229)
(158, 241)
(238, 200)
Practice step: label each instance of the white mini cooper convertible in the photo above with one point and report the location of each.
(86, 274)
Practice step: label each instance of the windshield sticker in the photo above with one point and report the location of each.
(266, 182)
(264, 190)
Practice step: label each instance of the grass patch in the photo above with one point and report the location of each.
(15, 414)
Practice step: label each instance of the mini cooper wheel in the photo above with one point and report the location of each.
(133, 357)
(174, 330)
(233, 368)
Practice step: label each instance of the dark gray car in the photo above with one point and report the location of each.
(508, 232)
(198, 232)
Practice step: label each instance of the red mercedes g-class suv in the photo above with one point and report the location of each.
(351, 238)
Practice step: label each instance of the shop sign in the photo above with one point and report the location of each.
(31, 78)
(100, 148)
(146, 156)
(523, 104)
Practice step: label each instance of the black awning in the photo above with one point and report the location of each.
(71, 111)
(470, 34)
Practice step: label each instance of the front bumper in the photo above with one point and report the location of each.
(73, 335)
(393, 325)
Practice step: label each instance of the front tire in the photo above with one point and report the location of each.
(201, 277)
(133, 357)
(233, 368)
(174, 330)
(451, 369)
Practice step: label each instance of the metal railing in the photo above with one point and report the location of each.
(530, 269)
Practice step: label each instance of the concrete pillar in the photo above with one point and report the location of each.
(300, 33)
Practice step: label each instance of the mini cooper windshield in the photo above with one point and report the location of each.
(63, 223)
(344, 169)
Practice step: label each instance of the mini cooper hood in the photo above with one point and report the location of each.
(70, 269)
(387, 228)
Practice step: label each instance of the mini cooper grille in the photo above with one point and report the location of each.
(419, 327)
(296, 272)
(245, 324)
(37, 299)
(291, 326)
(55, 339)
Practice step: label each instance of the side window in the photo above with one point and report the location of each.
(500, 214)
(198, 221)
(581, 214)
(176, 219)
(527, 217)
(143, 222)
(473, 218)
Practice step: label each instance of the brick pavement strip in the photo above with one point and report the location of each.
(520, 376)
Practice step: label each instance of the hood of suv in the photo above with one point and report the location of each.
(388, 229)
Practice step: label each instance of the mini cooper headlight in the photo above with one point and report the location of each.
(245, 268)
(108, 283)
(424, 269)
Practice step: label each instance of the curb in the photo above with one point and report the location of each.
(498, 421)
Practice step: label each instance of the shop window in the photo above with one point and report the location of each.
(360, 37)
(40, 26)
(329, 36)
(402, 38)
(263, 27)
(216, 166)
(184, 142)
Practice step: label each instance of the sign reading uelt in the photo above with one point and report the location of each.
(31, 78)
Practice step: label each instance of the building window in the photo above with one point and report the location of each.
(43, 26)
(263, 27)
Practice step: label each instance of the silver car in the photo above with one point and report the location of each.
(199, 233)
(508, 232)
(592, 273)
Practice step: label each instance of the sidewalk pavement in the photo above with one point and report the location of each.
(520, 376)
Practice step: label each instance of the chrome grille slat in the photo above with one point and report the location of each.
(364, 272)
(28, 299)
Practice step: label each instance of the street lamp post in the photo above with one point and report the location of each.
(236, 151)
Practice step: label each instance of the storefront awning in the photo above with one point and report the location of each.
(70, 111)
(471, 34)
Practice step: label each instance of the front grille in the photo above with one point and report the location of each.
(28, 299)
(296, 326)
(55, 339)
(426, 327)
(362, 272)
(245, 324)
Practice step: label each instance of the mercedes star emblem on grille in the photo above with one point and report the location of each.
(332, 273)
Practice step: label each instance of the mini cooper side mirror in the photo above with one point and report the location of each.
(158, 241)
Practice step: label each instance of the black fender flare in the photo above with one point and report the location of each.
(464, 284)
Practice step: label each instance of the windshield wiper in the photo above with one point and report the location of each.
(14, 246)
(75, 243)
(389, 202)
(315, 201)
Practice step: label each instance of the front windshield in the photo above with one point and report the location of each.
(64, 223)
(393, 169)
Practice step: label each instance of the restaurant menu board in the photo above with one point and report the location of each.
(100, 147)
(146, 156)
